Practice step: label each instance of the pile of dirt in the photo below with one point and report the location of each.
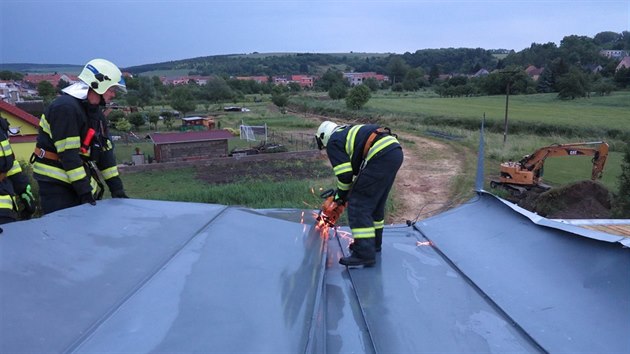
(580, 200)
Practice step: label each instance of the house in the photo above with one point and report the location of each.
(481, 72)
(624, 63)
(357, 78)
(303, 80)
(186, 146)
(197, 123)
(534, 72)
(22, 143)
(613, 53)
(9, 92)
(258, 79)
(54, 79)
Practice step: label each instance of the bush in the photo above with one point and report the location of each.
(622, 200)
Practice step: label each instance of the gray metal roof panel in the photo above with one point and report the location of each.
(569, 293)
(414, 300)
(151, 276)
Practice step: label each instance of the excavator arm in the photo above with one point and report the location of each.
(528, 170)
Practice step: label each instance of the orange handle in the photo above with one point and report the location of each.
(87, 140)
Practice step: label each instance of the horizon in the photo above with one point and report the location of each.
(130, 33)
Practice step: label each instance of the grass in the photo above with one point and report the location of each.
(183, 185)
(406, 112)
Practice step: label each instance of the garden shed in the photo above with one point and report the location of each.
(195, 145)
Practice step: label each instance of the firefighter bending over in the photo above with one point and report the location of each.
(73, 146)
(365, 160)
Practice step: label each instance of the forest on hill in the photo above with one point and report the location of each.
(572, 50)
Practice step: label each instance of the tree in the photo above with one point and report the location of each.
(358, 97)
(622, 200)
(137, 119)
(372, 83)
(280, 98)
(331, 78)
(46, 90)
(167, 118)
(218, 90)
(115, 116)
(124, 126)
(573, 84)
(397, 69)
(154, 118)
(338, 91)
(182, 100)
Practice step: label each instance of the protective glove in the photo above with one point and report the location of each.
(29, 203)
(341, 197)
(87, 198)
(119, 194)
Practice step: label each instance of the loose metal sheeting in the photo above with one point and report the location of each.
(148, 276)
(569, 293)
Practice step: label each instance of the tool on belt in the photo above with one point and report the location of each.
(331, 210)
(89, 164)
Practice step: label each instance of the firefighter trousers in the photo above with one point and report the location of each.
(371, 189)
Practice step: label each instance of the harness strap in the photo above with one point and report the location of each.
(370, 140)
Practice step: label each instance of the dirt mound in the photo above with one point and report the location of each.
(580, 200)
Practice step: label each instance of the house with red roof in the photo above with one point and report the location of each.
(54, 79)
(624, 63)
(22, 143)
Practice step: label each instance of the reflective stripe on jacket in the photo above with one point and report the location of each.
(345, 151)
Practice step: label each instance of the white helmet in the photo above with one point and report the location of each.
(324, 132)
(101, 74)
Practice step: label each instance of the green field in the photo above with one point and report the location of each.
(407, 112)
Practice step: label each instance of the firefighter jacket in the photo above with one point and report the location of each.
(12, 180)
(347, 151)
(62, 131)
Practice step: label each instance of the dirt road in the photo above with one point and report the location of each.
(423, 182)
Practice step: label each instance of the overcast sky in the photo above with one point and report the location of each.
(135, 32)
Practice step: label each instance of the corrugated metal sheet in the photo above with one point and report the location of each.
(149, 276)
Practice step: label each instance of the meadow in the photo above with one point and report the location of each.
(534, 121)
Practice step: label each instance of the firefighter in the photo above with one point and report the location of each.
(365, 160)
(73, 147)
(14, 184)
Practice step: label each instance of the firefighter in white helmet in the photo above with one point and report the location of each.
(365, 160)
(73, 141)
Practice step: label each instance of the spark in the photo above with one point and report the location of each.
(424, 243)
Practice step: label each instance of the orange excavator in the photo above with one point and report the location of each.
(518, 177)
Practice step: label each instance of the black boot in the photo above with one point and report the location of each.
(378, 239)
(362, 254)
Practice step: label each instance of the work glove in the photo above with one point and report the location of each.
(119, 194)
(86, 198)
(341, 197)
(29, 203)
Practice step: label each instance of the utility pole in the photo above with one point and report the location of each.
(507, 100)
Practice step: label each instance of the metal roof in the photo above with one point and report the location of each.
(154, 276)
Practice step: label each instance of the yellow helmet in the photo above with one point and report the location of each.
(324, 132)
(101, 74)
